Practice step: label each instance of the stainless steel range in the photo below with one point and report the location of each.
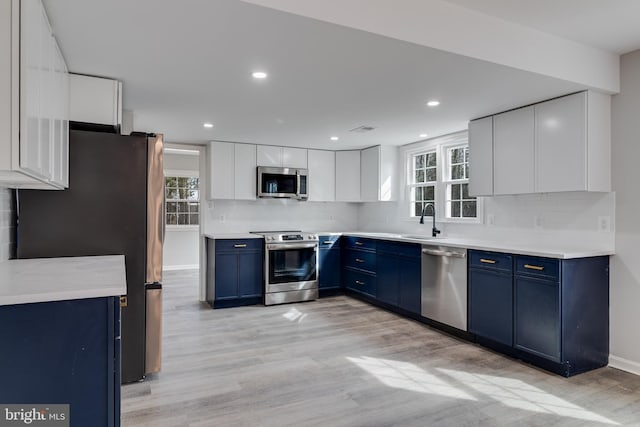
(291, 266)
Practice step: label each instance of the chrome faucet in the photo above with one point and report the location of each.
(434, 230)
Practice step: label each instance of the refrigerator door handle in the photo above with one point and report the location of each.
(155, 208)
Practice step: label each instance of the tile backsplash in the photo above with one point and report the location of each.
(7, 224)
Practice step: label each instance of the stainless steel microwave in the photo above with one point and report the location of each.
(283, 183)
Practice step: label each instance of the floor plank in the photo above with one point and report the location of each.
(342, 362)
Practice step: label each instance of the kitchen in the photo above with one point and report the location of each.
(601, 220)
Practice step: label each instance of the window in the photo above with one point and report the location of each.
(423, 181)
(438, 174)
(458, 202)
(182, 199)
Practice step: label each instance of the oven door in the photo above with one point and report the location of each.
(291, 266)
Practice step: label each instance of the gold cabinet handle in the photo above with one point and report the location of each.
(487, 261)
(359, 260)
(359, 243)
(240, 246)
(124, 301)
(533, 267)
(359, 282)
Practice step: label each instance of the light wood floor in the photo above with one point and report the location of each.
(342, 362)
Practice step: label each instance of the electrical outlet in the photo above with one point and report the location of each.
(604, 224)
(537, 221)
(491, 220)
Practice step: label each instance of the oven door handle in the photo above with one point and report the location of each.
(281, 246)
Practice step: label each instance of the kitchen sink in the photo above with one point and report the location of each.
(417, 236)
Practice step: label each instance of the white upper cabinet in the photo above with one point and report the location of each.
(34, 98)
(563, 144)
(378, 173)
(481, 153)
(322, 175)
(287, 157)
(513, 156)
(347, 176)
(95, 100)
(573, 143)
(244, 173)
(231, 171)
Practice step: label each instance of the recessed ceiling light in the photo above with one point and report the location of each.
(433, 103)
(208, 125)
(423, 135)
(259, 75)
(334, 138)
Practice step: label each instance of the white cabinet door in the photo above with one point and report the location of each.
(269, 155)
(348, 176)
(513, 152)
(245, 172)
(481, 157)
(221, 165)
(95, 100)
(294, 158)
(322, 175)
(370, 174)
(561, 144)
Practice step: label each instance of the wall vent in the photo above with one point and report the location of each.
(362, 129)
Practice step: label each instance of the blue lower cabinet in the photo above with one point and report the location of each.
(537, 316)
(361, 282)
(235, 273)
(63, 352)
(388, 276)
(491, 305)
(329, 263)
(410, 283)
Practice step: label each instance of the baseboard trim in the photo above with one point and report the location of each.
(624, 364)
(180, 267)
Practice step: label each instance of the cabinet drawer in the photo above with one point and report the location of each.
(227, 245)
(361, 260)
(547, 268)
(328, 241)
(411, 250)
(491, 260)
(360, 281)
(359, 243)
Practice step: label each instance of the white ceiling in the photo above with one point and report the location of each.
(611, 25)
(187, 62)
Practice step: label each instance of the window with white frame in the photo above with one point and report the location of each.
(422, 181)
(439, 175)
(458, 202)
(182, 200)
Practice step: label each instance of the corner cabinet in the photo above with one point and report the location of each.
(34, 100)
(64, 352)
(235, 272)
(563, 144)
(378, 176)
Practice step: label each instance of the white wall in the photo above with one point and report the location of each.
(7, 224)
(625, 269)
(237, 216)
(181, 245)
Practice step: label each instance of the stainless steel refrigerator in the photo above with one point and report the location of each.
(114, 205)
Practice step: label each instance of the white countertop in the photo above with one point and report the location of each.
(557, 250)
(56, 279)
(232, 236)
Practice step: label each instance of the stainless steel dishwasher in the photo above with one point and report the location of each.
(444, 285)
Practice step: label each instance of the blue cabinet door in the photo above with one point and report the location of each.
(250, 279)
(410, 284)
(491, 305)
(63, 352)
(226, 275)
(537, 316)
(388, 275)
(329, 268)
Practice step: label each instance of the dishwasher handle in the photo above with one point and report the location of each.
(438, 252)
